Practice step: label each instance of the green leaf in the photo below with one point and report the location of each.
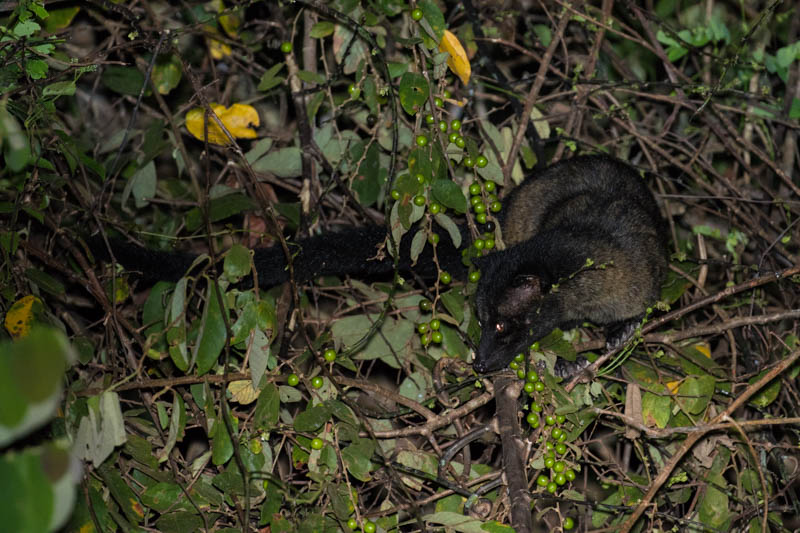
(221, 444)
(695, 393)
(284, 162)
(220, 209)
(36, 68)
(270, 78)
(413, 92)
(237, 262)
(312, 418)
(212, 334)
(59, 88)
(434, 17)
(418, 244)
(397, 69)
(450, 226)
(179, 522)
(356, 459)
(167, 73)
(449, 195)
(321, 29)
(656, 409)
(369, 178)
(161, 496)
(176, 334)
(16, 148)
(123, 80)
(267, 408)
(142, 185)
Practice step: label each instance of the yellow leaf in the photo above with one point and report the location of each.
(673, 386)
(218, 49)
(22, 315)
(458, 60)
(236, 118)
(703, 349)
(243, 392)
(230, 22)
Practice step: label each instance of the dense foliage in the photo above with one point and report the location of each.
(208, 404)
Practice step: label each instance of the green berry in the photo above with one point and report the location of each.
(422, 329)
(495, 207)
(455, 124)
(562, 437)
(395, 194)
(556, 431)
(561, 419)
(329, 355)
(370, 527)
(443, 126)
(445, 277)
(560, 478)
(479, 208)
(535, 346)
(419, 200)
(354, 91)
(433, 238)
(435, 324)
(286, 47)
(490, 186)
(568, 523)
(317, 382)
(352, 523)
(475, 200)
(569, 474)
(425, 339)
(446, 93)
(520, 373)
(559, 466)
(561, 448)
(425, 305)
(434, 208)
(452, 137)
(429, 119)
(474, 276)
(536, 408)
(481, 161)
(469, 162)
(532, 376)
(438, 101)
(475, 189)
(513, 365)
(489, 242)
(528, 387)
(549, 462)
(550, 420)
(292, 380)
(542, 480)
(460, 142)
(552, 487)
(416, 14)
(437, 337)
(481, 218)
(420, 179)
(479, 244)
(520, 357)
(539, 386)
(316, 444)
(422, 140)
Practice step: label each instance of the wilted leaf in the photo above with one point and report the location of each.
(236, 118)
(458, 60)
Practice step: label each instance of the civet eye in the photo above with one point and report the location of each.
(500, 327)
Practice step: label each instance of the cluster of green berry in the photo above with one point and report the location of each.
(554, 435)
(480, 196)
(317, 381)
(429, 332)
(369, 527)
